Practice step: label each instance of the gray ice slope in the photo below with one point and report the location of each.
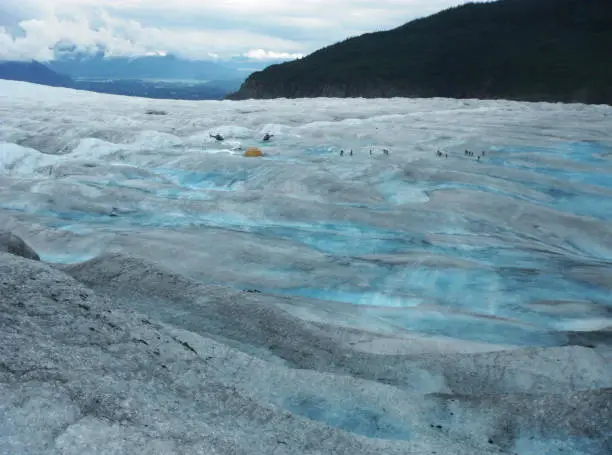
(79, 376)
(239, 373)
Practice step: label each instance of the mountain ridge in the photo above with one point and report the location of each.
(536, 50)
(34, 72)
(98, 66)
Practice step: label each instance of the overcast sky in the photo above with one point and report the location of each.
(197, 29)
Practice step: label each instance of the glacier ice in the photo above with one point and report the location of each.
(191, 300)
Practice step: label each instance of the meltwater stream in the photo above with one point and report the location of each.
(436, 273)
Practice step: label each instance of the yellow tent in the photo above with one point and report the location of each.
(252, 152)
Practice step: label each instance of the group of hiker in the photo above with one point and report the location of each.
(439, 154)
(385, 152)
(468, 153)
(219, 138)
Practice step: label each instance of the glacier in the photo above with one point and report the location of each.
(188, 299)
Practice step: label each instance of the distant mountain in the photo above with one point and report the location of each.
(155, 89)
(548, 50)
(34, 72)
(154, 77)
(39, 73)
(166, 67)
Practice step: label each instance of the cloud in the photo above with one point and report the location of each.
(261, 54)
(196, 29)
(126, 38)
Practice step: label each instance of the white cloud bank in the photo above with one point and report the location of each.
(261, 54)
(196, 29)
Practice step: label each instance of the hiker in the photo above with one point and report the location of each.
(341, 152)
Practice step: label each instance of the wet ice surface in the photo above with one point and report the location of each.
(399, 274)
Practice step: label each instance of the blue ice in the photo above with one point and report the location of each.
(340, 239)
(595, 206)
(116, 184)
(212, 180)
(181, 192)
(66, 258)
(590, 152)
(467, 327)
(461, 326)
(398, 192)
(82, 221)
(368, 298)
(563, 445)
(581, 153)
(363, 421)
(497, 291)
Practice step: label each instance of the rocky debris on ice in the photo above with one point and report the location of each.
(13, 244)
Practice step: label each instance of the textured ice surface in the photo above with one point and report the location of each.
(190, 300)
